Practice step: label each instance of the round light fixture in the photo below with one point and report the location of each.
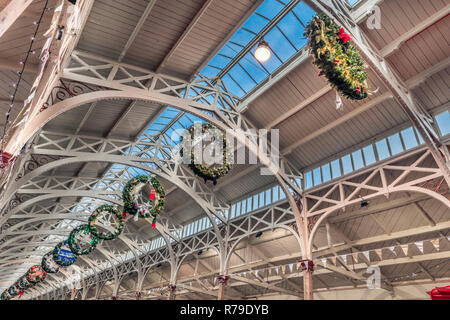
(262, 53)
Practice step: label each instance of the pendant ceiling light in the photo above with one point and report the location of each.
(262, 53)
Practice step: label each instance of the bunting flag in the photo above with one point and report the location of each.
(324, 262)
(435, 243)
(367, 255)
(290, 267)
(392, 249)
(404, 248)
(419, 245)
(256, 272)
(379, 253)
(344, 257)
(278, 270)
(355, 257)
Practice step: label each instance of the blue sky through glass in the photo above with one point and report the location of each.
(285, 39)
(352, 2)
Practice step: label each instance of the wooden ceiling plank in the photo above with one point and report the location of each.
(11, 13)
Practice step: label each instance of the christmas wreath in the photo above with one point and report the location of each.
(36, 274)
(48, 263)
(5, 295)
(81, 241)
(62, 254)
(208, 172)
(111, 216)
(23, 283)
(337, 58)
(135, 195)
(14, 290)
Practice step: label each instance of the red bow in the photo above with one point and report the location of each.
(21, 294)
(152, 195)
(5, 159)
(343, 36)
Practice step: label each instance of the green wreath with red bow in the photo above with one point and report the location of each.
(36, 274)
(108, 213)
(157, 197)
(337, 58)
(77, 246)
(23, 283)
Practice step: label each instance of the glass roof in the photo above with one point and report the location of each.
(281, 24)
(353, 2)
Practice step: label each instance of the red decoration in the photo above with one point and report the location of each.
(343, 36)
(172, 287)
(442, 293)
(124, 215)
(307, 265)
(138, 294)
(6, 159)
(223, 279)
(152, 195)
(21, 294)
(113, 298)
(153, 225)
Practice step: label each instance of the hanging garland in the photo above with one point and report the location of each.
(63, 255)
(206, 172)
(336, 57)
(108, 212)
(130, 198)
(48, 263)
(129, 191)
(82, 246)
(36, 274)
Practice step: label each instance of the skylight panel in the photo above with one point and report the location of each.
(352, 2)
(270, 8)
(281, 24)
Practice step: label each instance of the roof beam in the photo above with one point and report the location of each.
(422, 26)
(185, 33)
(267, 286)
(11, 13)
(136, 30)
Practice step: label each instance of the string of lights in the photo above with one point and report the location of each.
(20, 73)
